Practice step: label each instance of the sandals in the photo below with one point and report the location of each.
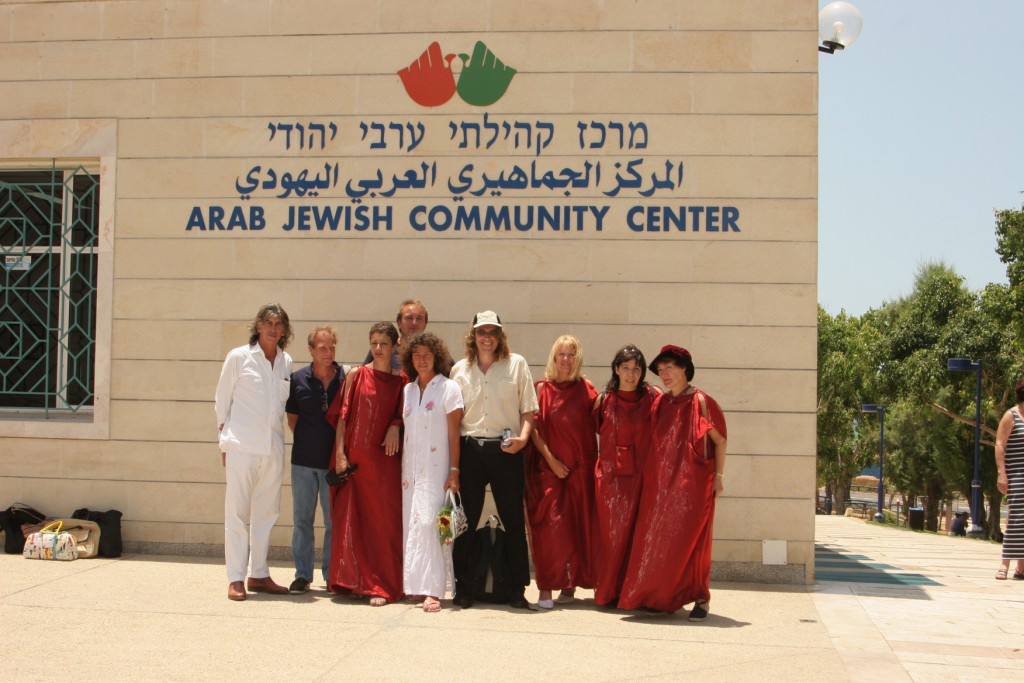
(566, 596)
(431, 605)
(1001, 574)
(377, 602)
(1018, 575)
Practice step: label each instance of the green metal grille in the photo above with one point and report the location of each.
(48, 239)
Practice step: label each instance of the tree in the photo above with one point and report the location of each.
(843, 368)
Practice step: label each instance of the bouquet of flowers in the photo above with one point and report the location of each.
(451, 519)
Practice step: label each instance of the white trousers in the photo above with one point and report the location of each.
(252, 504)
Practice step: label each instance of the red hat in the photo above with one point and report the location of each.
(677, 353)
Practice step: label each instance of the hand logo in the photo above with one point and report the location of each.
(483, 80)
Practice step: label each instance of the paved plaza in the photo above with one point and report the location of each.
(890, 605)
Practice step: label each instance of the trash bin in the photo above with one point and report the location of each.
(915, 518)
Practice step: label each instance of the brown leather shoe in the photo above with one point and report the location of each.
(236, 591)
(266, 585)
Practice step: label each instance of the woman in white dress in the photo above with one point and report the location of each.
(430, 465)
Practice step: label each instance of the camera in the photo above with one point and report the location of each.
(506, 437)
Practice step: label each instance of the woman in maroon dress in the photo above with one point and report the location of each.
(623, 414)
(670, 563)
(366, 510)
(560, 477)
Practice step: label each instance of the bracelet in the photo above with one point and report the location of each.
(453, 469)
(720, 474)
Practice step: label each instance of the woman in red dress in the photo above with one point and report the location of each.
(366, 510)
(560, 477)
(623, 414)
(670, 563)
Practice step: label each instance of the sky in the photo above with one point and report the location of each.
(920, 140)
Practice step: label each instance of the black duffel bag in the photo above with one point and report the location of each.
(489, 564)
(11, 519)
(110, 529)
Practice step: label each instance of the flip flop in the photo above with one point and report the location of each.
(1001, 574)
(431, 605)
(1018, 576)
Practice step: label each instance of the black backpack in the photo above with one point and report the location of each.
(11, 519)
(488, 563)
(110, 529)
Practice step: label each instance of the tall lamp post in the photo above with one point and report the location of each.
(872, 408)
(967, 365)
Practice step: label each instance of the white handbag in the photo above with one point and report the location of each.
(50, 543)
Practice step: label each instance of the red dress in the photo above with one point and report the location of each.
(366, 513)
(670, 563)
(624, 424)
(561, 512)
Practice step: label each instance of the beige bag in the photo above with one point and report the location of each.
(86, 533)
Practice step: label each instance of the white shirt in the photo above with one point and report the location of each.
(496, 399)
(250, 400)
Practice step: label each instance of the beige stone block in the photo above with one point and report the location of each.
(154, 299)
(692, 51)
(788, 135)
(113, 99)
(727, 550)
(140, 460)
(412, 17)
(172, 502)
(133, 20)
(757, 15)
(777, 93)
(775, 51)
(348, 18)
(185, 178)
(173, 339)
(19, 61)
(163, 380)
(764, 518)
(261, 56)
(200, 97)
(773, 433)
(319, 261)
(636, 94)
(746, 389)
(550, 51)
(735, 177)
(148, 217)
(593, 302)
(782, 476)
(538, 15)
(178, 258)
(52, 21)
(224, 17)
(160, 138)
(31, 458)
(36, 99)
(648, 15)
(303, 97)
(86, 60)
(162, 420)
(215, 301)
(174, 58)
(557, 260)
(15, 139)
(723, 304)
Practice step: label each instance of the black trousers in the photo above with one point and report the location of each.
(482, 463)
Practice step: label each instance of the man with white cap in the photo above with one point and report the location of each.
(498, 392)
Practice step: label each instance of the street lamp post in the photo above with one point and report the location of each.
(873, 408)
(967, 365)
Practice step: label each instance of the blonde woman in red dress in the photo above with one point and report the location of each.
(670, 563)
(560, 477)
(623, 414)
(366, 511)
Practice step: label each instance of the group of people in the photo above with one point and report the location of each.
(619, 485)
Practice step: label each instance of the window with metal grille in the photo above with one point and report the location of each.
(48, 248)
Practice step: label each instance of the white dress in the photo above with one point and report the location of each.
(425, 469)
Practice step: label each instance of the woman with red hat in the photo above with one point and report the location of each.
(670, 563)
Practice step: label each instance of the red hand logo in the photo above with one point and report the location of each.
(429, 80)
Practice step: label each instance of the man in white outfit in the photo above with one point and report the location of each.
(250, 403)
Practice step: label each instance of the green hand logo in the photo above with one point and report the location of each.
(484, 78)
